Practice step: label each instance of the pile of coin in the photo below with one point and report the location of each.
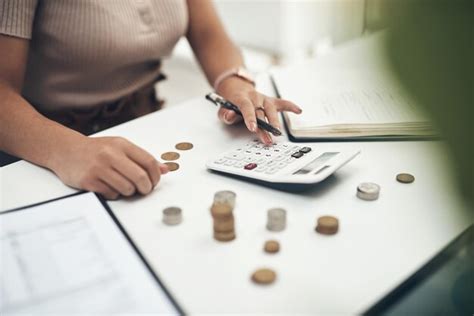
(276, 219)
(271, 246)
(222, 213)
(327, 225)
(171, 156)
(172, 215)
(368, 191)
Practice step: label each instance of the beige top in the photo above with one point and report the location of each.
(87, 52)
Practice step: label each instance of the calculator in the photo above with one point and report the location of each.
(282, 165)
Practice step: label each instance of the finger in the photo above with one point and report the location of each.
(104, 189)
(146, 161)
(284, 105)
(228, 116)
(118, 182)
(262, 134)
(164, 168)
(134, 173)
(271, 113)
(248, 112)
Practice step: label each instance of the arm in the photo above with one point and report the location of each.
(81, 162)
(216, 53)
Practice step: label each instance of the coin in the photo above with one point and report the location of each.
(264, 276)
(225, 197)
(225, 225)
(271, 246)
(171, 155)
(221, 210)
(184, 146)
(172, 215)
(368, 191)
(405, 178)
(172, 166)
(327, 225)
(276, 219)
(224, 236)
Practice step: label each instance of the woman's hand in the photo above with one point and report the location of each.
(111, 166)
(253, 105)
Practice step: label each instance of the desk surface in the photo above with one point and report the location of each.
(380, 243)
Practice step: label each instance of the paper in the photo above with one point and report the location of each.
(68, 256)
(349, 97)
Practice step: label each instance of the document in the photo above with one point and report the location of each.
(348, 94)
(69, 256)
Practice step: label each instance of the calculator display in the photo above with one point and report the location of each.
(316, 163)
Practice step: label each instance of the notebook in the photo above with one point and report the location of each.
(350, 94)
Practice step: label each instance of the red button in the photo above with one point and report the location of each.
(250, 166)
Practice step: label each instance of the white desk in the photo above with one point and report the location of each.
(379, 244)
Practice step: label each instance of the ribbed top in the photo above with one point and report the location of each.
(87, 52)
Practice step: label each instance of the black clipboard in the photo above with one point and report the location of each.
(107, 208)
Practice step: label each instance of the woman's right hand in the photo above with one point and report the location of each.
(110, 166)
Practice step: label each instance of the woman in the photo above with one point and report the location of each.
(70, 68)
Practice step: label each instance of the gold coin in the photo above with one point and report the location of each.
(184, 146)
(221, 210)
(405, 178)
(225, 225)
(227, 236)
(264, 276)
(172, 166)
(171, 155)
(271, 246)
(327, 225)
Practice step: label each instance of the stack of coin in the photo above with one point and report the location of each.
(271, 246)
(223, 222)
(327, 225)
(368, 191)
(225, 197)
(172, 215)
(276, 219)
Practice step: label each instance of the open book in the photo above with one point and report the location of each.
(349, 94)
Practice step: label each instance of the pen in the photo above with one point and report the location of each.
(218, 100)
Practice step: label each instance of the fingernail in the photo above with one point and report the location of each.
(253, 126)
(226, 117)
(300, 110)
(268, 139)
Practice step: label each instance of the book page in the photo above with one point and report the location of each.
(348, 97)
(68, 256)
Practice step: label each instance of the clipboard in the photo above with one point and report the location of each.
(135, 259)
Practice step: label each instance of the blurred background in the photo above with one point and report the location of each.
(289, 31)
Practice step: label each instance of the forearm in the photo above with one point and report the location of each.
(27, 134)
(212, 46)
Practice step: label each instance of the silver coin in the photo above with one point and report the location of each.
(172, 215)
(276, 219)
(368, 191)
(225, 197)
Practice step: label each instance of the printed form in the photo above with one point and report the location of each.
(69, 256)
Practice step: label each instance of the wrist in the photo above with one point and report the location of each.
(232, 85)
(67, 142)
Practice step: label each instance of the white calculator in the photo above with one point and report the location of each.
(284, 165)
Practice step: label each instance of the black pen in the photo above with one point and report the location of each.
(218, 100)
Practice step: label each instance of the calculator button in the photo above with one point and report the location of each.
(271, 170)
(279, 158)
(297, 154)
(261, 168)
(250, 166)
(282, 165)
(220, 161)
(305, 150)
(229, 162)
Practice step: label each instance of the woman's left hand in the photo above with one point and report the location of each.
(253, 105)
